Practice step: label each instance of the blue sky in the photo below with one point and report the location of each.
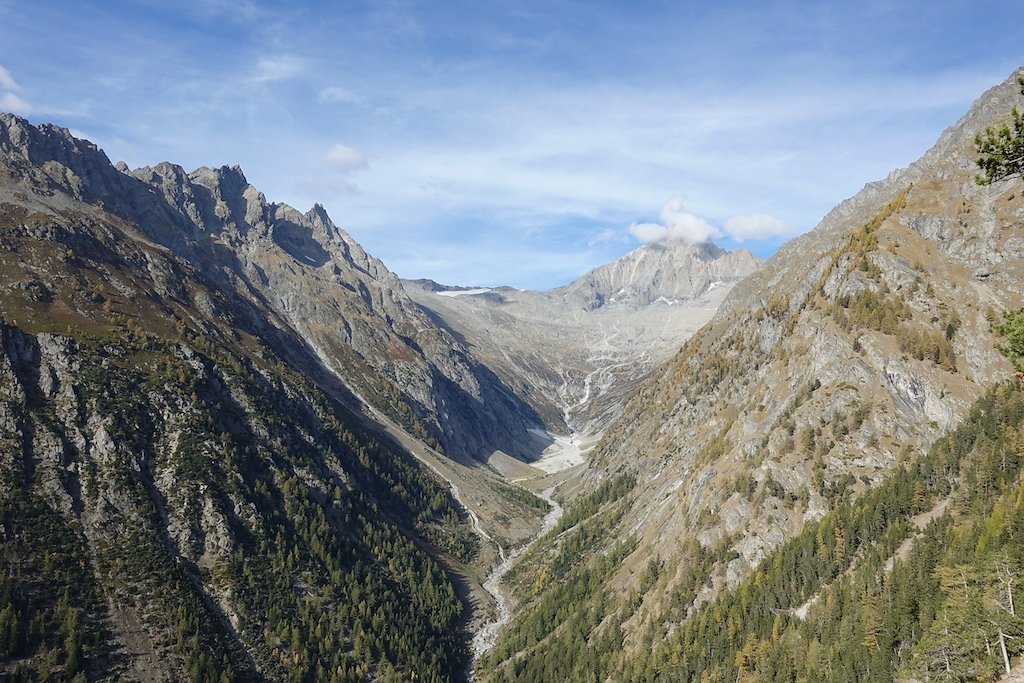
(517, 142)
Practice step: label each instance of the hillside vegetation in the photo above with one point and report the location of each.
(920, 577)
(817, 386)
(212, 515)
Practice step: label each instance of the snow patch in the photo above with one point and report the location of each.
(464, 292)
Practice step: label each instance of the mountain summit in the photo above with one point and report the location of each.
(670, 272)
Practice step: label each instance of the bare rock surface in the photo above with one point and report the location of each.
(575, 352)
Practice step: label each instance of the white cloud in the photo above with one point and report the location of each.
(278, 69)
(606, 235)
(676, 225)
(8, 100)
(757, 226)
(345, 158)
(7, 81)
(14, 104)
(338, 94)
(679, 224)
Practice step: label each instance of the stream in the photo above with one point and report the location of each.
(487, 635)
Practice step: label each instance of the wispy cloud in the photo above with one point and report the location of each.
(336, 93)
(344, 158)
(9, 101)
(329, 186)
(7, 81)
(228, 9)
(757, 226)
(277, 69)
(605, 236)
(14, 104)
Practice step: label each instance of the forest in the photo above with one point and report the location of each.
(317, 562)
(918, 578)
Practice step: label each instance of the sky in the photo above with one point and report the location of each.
(520, 143)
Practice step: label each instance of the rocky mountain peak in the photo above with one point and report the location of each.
(59, 159)
(318, 216)
(706, 250)
(228, 182)
(662, 272)
(326, 231)
(45, 142)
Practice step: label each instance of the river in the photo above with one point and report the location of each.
(487, 635)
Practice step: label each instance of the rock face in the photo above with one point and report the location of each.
(296, 272)
(672, 272)
(576, 352)
(851, 351)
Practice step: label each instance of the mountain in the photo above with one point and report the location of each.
(222, 425)
(299, 270)
(672, 272)
(575, 352)
(854, 349)
(172, 509)
(206, 468)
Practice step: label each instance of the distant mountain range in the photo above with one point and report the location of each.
(575, 352)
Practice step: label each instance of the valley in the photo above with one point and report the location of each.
(235, 446)
(574, 353)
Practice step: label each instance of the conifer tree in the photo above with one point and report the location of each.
(1012, 329)
(1001, 150)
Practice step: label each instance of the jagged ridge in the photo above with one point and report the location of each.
(300, 270)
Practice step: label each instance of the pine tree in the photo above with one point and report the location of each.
(871, 621)
(1001, 150)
